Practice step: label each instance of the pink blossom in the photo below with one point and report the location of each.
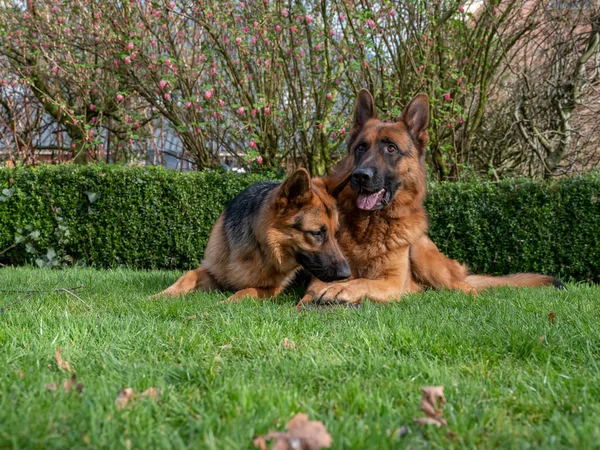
(238, 41)
(252, 143)
(254, 112)
(92, 107)
(153, 43)
(120, 98)
(371, 23)
(255, 24)
(342, 17)
(447, 97)
(461, 8)
(284, 12)
(68, 30)
(459, 80)
(392, 12)
(188, 104)
(259, 160)
(420, 68)
(208, 94)
(54, 69)
(268, 109)
(130, 46)
(91, 133)
(74, 121)
(240, 110)
(308, 18)
(277, 28)
(329, 96)
(318, 47)
(242, 5)
(163, 84)
(460, 120)
(128, 59)
(167, 96)
(221, 103)
(172, 5)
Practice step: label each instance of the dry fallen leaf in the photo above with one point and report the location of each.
(302, 434)
(432, 397)
(552, 318)
(151, 393)
(51, 386)
(125, 395)
(192, 317)
(19, 373)
(72, 383)
(288, 343)
(62, 364)
(542, 338)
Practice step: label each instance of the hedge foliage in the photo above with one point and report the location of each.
(149, 217)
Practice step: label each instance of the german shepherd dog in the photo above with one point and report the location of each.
(383, 224)
(265, 235)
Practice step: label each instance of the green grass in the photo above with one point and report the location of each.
(226, 376)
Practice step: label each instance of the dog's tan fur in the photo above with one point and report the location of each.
(264, 267)
(388, 249)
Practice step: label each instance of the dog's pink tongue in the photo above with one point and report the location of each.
(368, 201)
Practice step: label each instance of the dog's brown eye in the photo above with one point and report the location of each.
(391, 148)
(361, 148)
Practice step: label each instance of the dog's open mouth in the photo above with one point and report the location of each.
(369, 201)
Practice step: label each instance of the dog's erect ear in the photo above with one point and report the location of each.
(416, 118)
(364, 109)
(296, 190)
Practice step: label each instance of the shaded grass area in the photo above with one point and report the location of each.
(226, 375)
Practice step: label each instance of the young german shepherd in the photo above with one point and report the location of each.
(266, 234)
(383, 224)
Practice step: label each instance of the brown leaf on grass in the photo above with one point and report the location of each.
(151, 393)
(71, 383)
(542, 338)
(431, 404)
(51, 386)
(192, 317)
(302, 434)
(125, 395)
(552, 318)
(288, 343)
(20, 374)
(62, 364)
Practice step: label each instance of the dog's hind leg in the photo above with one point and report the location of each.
(432, 268)
(195, 280)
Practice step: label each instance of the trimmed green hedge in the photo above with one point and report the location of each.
(147, 217)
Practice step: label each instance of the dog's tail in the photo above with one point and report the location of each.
(481, 282)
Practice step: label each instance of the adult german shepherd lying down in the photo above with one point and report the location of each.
(266, 234)
(383, 224)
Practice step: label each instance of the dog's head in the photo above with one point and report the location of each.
(308, 221)
(388, 156)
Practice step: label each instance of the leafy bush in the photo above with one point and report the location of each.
(549, 227)
(149, 217)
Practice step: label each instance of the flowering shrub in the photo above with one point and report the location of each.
(274, 77)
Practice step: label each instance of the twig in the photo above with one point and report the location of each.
(77, 297)
(76, 288)
(8, 248)
(5, 307)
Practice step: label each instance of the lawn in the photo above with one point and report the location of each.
(512, 378)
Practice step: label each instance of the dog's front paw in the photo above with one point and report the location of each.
(335, 294)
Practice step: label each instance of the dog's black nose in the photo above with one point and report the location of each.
(341, 272)
(362, 175)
